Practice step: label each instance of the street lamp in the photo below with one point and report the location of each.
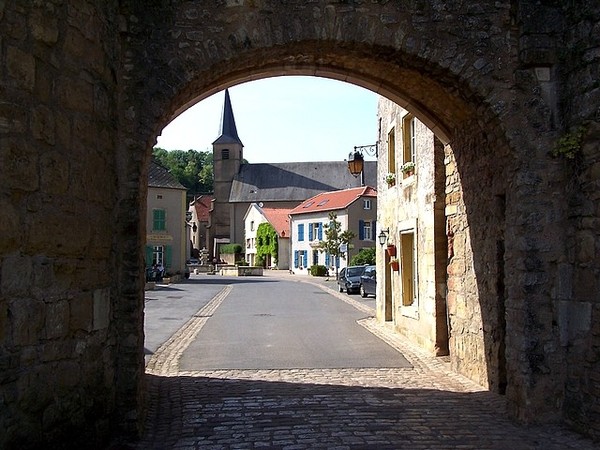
(356, 160)
(383, 236)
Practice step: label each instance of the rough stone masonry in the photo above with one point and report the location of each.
(86, 86)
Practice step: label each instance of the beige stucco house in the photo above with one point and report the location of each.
(411, 213)
(167, 236)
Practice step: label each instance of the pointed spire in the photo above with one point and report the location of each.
(228, 132)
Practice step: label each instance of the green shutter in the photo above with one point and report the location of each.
(169, 255)
(149, 255)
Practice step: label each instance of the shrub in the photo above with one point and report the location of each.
(230, 249)
(318, 270)
(364, 256)
(241, 262)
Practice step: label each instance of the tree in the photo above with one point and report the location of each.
(364, 256)
(193, 169)
(335, 238)
(266, 243)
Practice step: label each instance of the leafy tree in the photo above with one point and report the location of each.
(334, 238)
(364, 256)
(193, 169)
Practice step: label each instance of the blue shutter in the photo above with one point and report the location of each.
(295, 258)
(374, 230)
(320, 231)
(327, 259)
(361, 230)
(300, 232)
(305, 259)
(310, 232)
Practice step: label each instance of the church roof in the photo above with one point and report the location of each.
(228, 131)
(160, 177)
(295, 181)
(332, 201)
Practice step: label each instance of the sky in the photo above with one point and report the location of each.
(283, 119)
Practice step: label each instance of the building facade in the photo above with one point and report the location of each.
(356, 210)
(278, 219)
(167, 236)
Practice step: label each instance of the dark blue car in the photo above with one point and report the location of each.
(368, 282)
(349, 279)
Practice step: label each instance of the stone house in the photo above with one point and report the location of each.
(167, 240)
(279, 220)
(412, 215)
(276, 185)
(356, 210)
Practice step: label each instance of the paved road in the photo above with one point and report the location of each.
(281, 324)
(424, 406)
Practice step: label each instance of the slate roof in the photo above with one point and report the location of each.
(202, 204)
(295, 181)
(279, 218)
(332, 201)
(228, 132)
(160, 177)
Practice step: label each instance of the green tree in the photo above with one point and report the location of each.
(193, 169)
(364, 256)
(334, 238)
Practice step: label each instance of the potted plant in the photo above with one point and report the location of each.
(408, 168)
(395, 264)
(391, 250)
(390, 179)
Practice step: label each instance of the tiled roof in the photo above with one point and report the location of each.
(278, 217)
(202, 205)
(295, 181)
(160, 177)
(332, 201)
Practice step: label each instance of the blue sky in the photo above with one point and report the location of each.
(283, 119)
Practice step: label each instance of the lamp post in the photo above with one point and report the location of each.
(356, 160)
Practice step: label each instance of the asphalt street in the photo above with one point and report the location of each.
(281, 324)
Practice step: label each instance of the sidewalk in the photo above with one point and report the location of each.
(425, 407)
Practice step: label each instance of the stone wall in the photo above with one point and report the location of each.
(87, 86)
(58, 189)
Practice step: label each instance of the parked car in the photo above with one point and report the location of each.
(368, 282)
(349, 279)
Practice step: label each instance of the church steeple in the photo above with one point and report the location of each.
(228, 132)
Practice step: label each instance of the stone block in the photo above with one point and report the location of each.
(574, 320)
(10, 228)
(57, 319)
(18, 165)
(16, 277)
(42, 124)
(101, 308)
(21, 67)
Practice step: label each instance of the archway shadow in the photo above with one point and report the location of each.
(211, 412)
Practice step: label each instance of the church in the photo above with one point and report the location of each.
(271, 185)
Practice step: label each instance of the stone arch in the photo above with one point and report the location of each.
(441, 76)
(83, 99)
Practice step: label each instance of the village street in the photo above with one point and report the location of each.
(285, 361)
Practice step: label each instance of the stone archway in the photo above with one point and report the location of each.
(85, 97)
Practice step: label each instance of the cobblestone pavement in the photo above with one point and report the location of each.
(425, 407)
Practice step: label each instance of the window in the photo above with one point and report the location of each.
(315, 231)
(408, 263)
(225, 153)
(392, 151)
(158, 255)
(300, 259)
(252, 225)
(159, 196)
(315, 257)
(366, 204)
(367, 231)
(408, 139)
(159, 222)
